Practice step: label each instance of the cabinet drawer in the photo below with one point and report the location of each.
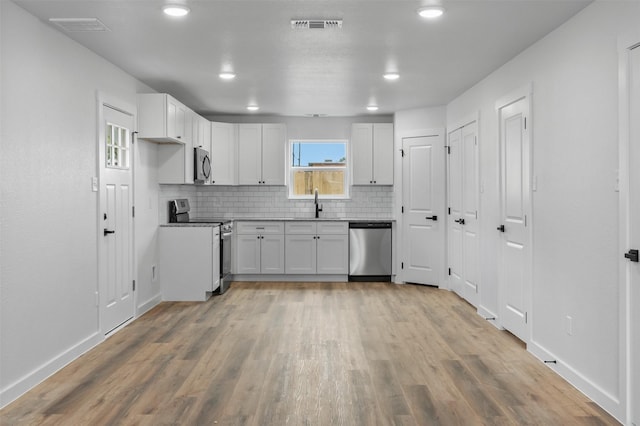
(261, 228)
(333, 228)
(300, 228)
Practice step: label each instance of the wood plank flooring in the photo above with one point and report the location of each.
(309, 354)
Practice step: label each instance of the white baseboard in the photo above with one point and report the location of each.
(486, 313)
(604, 399)
(148, 305)
(290, 278)
(23, 385)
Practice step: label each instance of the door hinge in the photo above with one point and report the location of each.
(133, 139)
(525, 123)
(401, 265)
(449, 271)
(133, 211)
(526, 317)
(525, 220)
(448, 149)
(134, 285)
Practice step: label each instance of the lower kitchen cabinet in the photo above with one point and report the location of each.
(316, 248)
(189, 256)
(260, 248)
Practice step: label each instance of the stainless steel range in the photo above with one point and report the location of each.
(179, 213)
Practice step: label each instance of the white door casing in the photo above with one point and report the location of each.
(423, 190)
(514, 268)
(630, 220)
(463, 212)
(115, 221)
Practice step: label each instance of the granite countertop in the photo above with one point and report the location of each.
(310, 219)
(188, 225)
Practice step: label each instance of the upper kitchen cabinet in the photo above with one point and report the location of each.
(224, 153)
(162, 119)
(175, 162)
(261, 152)
(372, 153)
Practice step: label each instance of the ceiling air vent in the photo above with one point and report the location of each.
(316, 24)
(75, 25)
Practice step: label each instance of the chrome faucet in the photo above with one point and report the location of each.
(318, 206)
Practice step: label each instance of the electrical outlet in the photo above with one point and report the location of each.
(94, 184)
(569, 325)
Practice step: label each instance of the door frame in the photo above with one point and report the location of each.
(523, 92)
(625, 45)
(457, 125)
(106, 100)
(397, 234)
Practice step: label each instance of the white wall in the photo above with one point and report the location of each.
(48, 254)
(574, 71)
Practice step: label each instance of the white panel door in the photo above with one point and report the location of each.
(223, 153)
(423, 183)
(247, 254)
(116, 221)
(514, 268)
(455, 213)
(250, 154)
(274, 138)
(634, 231)
(470, 226)
(362, 153)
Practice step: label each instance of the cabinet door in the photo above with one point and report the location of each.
(223, 153)
(300, 254)
(171, 162)
(248, 254)
(383, 153)
(272, 254)
(190, 118)
(273, 152)
(362, 153)
(176, 119)
(333, 254)
(249, 154)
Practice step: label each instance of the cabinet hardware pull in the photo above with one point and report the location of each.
(434, 218)
(106, 232)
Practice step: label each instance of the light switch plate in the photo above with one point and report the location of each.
(94, 184)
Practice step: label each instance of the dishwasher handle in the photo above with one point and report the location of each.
(369, 225)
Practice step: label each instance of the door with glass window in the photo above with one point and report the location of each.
(115, 235)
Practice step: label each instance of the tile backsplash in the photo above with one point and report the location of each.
(370, 202)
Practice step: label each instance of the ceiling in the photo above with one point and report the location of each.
(337, 72)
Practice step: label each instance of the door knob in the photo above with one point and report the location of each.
(434, 218)
(106, 232)
(632, 255)
(501, 228)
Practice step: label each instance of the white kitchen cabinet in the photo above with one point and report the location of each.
(260, 247)
(224, 153)
(162, 119)
(372, 153)
(189, 262)
(316, 247)
(261, 153)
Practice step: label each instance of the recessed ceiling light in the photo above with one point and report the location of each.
(227, 75)
(391, 76)
(372, 108)
(431, 12)
(175, 10)
(253, 107)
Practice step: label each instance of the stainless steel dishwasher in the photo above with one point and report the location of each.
(369, 251)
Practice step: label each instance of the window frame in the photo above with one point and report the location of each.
(346, 168)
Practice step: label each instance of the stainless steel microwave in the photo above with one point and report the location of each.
(201, 166)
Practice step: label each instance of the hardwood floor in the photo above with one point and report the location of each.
(309, 354)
